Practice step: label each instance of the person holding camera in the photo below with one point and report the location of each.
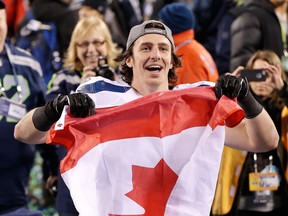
(90, 53)
(268, 84)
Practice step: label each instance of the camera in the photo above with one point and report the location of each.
(255, 75)
(103, 68)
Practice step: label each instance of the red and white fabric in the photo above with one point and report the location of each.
(155, 155)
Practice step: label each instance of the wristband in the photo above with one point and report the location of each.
(41, 121)
(250, 105)
(44, 117)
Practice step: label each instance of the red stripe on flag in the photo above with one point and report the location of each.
(156, 115)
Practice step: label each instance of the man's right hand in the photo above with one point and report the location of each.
(81, 105)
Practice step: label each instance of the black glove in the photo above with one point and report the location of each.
(81, 105)
(232, 87)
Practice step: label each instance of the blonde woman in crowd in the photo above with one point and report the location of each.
(91, 41)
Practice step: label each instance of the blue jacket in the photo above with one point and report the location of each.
(16, 158)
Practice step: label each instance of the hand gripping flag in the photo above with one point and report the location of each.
(156, 155)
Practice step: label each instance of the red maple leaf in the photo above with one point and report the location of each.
(152, 188)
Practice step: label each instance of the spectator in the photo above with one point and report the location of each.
(118, 15)
(151, 8)
(58, 12)
(234, 183)
(223, 39)
(90, 39)
(148, 67)
(41, 41)
(208, 14)
(197, 63)
(281, 12)
(22, 88)
(15, 10)
(256, 29)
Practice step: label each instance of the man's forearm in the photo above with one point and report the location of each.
(26, 132)
(258, 127)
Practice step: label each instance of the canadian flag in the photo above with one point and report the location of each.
(155, 155)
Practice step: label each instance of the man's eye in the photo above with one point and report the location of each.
(164, 49)
(145, 48)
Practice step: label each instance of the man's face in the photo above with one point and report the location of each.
(3, 28)
(150, 63)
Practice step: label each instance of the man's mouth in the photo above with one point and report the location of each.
(154, 68)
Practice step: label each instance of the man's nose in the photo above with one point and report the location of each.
(155, 55)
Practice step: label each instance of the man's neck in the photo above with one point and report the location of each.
(145, 90)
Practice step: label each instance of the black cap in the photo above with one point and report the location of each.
(149, 27)
(99, 5)
(2, 5)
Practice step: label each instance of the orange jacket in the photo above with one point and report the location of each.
(15, 10)
(197, 63)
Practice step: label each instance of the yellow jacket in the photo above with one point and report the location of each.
(230, 170)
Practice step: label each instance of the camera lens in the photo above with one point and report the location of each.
(106, 72)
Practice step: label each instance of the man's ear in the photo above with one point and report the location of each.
(129, 61)
(171, 64)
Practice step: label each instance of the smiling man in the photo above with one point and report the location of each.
(164, 138)
(149, 56)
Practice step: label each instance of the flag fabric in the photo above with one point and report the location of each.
(155, 155)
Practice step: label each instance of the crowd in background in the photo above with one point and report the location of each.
(212, 37)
